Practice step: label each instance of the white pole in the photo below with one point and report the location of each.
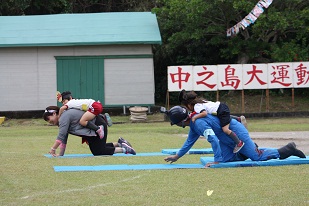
(124, 109)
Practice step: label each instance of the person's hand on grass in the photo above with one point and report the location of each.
(211, 163)
(53, 153)
(171, 159)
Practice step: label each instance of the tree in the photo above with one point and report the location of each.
(39, 7)
(194, 32)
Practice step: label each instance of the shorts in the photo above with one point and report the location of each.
(96, 108)
(223, 114)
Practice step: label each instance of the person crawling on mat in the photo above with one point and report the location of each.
(68, 123)
(201, 107)
(209, 127)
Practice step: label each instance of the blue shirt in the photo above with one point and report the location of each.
(202, 128)
(210, 128)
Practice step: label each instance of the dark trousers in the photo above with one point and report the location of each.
(223, 114)
(99, 146)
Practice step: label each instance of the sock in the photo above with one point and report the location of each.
(124, 150)
(119, 145)
(234, 137)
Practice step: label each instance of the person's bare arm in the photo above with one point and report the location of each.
(54, 148)
(200, 115)
(56, 145)
(61, 110)
(62, 149)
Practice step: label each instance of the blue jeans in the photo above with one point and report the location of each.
(250, 151)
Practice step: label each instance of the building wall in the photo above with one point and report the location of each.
(28, 75)
(129, 81)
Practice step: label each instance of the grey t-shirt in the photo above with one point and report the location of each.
(69, 124)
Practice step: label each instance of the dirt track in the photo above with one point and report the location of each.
(279, 139)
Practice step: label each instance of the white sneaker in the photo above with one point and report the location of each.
(238, 146)
(243, 121)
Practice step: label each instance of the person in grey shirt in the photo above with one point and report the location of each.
(68, 123)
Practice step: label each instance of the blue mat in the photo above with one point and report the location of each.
(163, 153)
(127, 167)
(191, 151)
(115, 155)
(249, 163)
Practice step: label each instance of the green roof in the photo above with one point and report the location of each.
(79, 29)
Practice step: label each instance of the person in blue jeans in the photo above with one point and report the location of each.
(209, 127)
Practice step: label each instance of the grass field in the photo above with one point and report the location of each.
(28, 178)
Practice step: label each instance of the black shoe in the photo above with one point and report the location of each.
(121, 140)
(289, 150)
(129, 150)
(298, 152)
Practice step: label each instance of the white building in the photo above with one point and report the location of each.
(102, 56)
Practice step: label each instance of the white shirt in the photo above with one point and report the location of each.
(81, 104)
(208, 106)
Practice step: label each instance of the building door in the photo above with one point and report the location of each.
(83, 76)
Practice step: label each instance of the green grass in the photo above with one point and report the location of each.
(278, 124)
(28, 178)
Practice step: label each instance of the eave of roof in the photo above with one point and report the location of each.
(79, 29)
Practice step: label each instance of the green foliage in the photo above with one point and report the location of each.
(38, 7)
(182, 29)
(189, 25)
(10, 8)
(291, 51)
